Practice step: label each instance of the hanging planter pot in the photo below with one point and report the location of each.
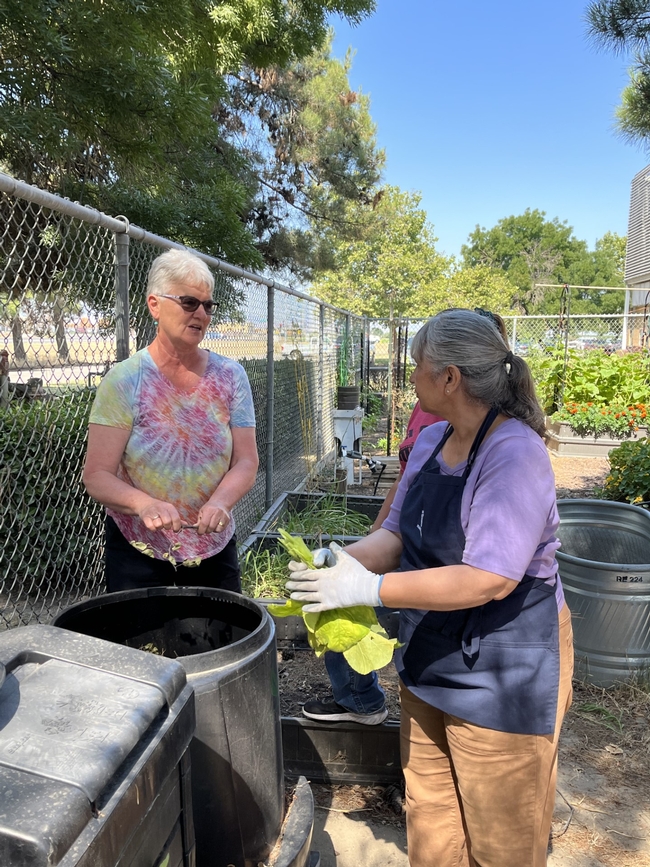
(348, 396)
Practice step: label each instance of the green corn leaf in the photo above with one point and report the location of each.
(296, 547)
(371, 653)
(289, 609)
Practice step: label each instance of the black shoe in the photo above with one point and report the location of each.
(330, 711)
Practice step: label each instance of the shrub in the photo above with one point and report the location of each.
(51, 531)
(629, 476)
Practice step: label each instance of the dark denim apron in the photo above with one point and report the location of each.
(496, 665)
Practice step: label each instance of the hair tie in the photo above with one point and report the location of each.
(508, 361)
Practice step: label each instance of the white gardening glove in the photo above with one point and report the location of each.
(342, 585)
(321, 557)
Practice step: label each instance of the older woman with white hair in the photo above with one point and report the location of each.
(467, 554)
(171, 444)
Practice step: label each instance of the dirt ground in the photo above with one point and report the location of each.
(602, 812)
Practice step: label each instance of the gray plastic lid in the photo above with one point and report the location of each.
(72, 710)
(72, 724)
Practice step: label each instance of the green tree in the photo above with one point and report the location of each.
(311, 142)
(477, 286)
(118, 104)
(624, 27)
(530, 249)
(386, 263)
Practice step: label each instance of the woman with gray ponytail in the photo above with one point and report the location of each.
(467, 554)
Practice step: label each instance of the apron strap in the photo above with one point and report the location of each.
(478, 439)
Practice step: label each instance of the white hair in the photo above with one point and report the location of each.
(178, 266)
(491, 373)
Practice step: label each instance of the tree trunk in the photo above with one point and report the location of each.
(17, 337)
(59, 328)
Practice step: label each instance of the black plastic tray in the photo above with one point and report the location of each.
(341, 752)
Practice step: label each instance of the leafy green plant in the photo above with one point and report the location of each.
(628, 480)
(264, 574)
(595, 376)
(326, 516)
(51, 531)
(373, 412)
(354, 632)
(589, 419)
(600, 714)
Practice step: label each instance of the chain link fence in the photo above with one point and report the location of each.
(386, 376)
(73, 303)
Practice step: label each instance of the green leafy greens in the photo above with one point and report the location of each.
(354, 632)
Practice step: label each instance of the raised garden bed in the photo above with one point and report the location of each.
(327, 753)
(341, 752)
(564, 441)
(291, 505)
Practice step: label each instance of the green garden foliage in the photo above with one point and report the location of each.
(629, 476)
(52, 536)
(354, 632)
(151, 109)
(593, 376)
(590, 419)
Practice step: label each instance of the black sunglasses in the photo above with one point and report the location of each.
(191, 304)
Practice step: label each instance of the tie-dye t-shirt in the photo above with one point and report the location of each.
(180, 444)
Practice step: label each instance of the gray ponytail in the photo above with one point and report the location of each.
(492, 374)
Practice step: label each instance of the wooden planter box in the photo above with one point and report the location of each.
(563, 441)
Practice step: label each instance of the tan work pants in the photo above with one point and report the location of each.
(476, 797)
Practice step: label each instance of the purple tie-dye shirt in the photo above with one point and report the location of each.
(180, 444)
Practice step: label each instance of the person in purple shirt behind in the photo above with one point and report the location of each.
(467, 554)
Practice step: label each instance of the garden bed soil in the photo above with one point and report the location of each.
(602, 812)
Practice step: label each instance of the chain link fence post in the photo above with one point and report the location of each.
(320, 386)
(122, 313)
(270, 393)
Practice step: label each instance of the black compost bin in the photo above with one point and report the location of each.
(226, 644)
(94, 754)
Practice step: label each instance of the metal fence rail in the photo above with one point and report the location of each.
(72, 303)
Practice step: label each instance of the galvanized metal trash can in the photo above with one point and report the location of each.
(226, 644)
(604, 564)
(94, 754)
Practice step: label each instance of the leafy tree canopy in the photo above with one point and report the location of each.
(390, 265)
(477, 286)
(311, 142)
(120, 104)
(532, 250)
(624, 27)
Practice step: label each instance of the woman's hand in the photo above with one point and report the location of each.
(342, 585)
(159, 515)
(213, 518)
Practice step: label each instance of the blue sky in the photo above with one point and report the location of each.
(489, 108)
